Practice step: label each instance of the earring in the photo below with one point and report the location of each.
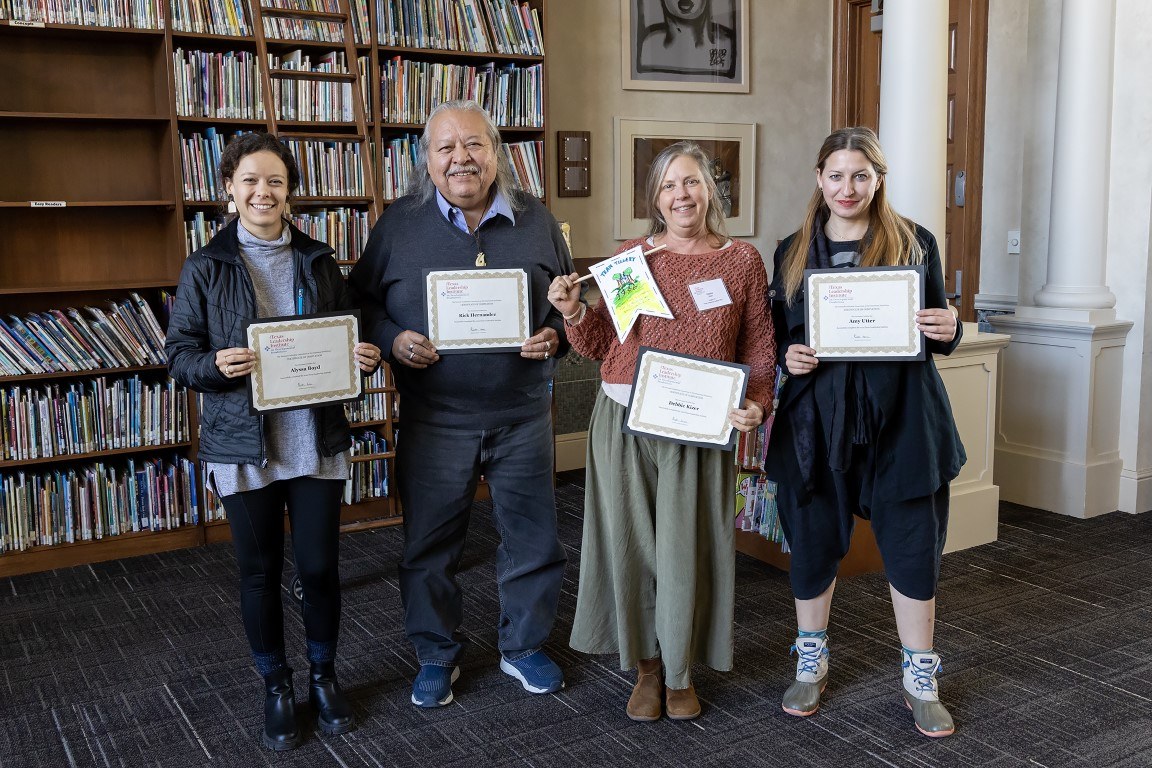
(231, 205)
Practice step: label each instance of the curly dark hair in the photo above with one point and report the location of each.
(250, 143)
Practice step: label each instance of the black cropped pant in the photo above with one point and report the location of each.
(257, 522)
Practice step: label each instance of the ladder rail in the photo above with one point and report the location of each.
(354, 77)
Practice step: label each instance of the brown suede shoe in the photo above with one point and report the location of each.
(682, 704)
(646, 702)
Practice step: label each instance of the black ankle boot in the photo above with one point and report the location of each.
(280, 730)
(333, 712)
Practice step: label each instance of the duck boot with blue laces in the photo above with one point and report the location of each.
(803, 697)
(922, 694)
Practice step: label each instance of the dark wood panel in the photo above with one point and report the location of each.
(98, 74)
(85, 161)
(63, 248)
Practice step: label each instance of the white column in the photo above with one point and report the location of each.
(914, 109)
(1078, 227)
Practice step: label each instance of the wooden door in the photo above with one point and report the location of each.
(856, 101)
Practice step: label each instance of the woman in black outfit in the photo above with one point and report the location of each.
(869, 439)
(261, 266)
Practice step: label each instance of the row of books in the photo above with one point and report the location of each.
(80, 504)
(399, 160)
(345, 229)
(314, 100)
(124, 334)
(756, 509)
(328, 168)
(752, 447)
(141, 14)
(201, 228)
(527, 160)
(200, 163)
(373, 406)
(513, 96)
(482, 26)
(219, 84)
(211, 17)
(102, 414)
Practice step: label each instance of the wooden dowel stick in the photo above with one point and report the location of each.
(646, 253)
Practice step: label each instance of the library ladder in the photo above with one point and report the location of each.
(343, 18)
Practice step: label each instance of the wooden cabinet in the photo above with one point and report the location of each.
(95, 200)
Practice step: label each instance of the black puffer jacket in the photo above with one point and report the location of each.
(214, 302)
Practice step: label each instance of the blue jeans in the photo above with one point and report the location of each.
(438, 470)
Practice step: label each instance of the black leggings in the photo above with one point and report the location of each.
(257, 522)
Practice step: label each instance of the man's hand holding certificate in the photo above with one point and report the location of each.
(866, 313)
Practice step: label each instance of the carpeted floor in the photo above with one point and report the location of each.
(1045, 635)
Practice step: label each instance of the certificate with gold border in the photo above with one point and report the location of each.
(865, 313)
(477, 310)
(685, 399)
(303, 361)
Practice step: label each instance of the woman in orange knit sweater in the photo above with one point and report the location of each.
(657, 570)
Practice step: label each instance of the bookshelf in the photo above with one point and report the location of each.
(110, 126)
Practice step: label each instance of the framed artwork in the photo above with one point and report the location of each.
(685, 45)
(732, 147)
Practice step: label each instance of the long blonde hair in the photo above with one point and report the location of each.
(891, 238)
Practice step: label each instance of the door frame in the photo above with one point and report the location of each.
(845, 58)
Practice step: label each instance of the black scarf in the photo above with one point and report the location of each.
(840, 386)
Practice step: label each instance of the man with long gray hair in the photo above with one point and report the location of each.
(468, 414)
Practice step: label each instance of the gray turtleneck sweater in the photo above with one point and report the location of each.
(289, 436)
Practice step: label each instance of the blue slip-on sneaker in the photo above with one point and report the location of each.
(433, 685)
(536, 672)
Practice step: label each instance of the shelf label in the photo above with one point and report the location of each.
(22, 23)
(48, 203)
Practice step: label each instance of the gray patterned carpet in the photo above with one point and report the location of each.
(1045, 634)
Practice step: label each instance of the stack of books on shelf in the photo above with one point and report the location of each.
(756, 509)
(527, 160)
(124, 334)
(483, 26)
(211, 17)
(139, 14)
(399, 160)
(328, 168)
(345, 229)
(92, 502)
(200, 164)
(312, 30)
(512, 95)
(102, 414)
(219, 84)
(369, 479)
(373, 407)
(200, 229)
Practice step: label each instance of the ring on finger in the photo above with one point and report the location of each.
(228, 370)
(545, 355)
(410, 345)
(411, 355)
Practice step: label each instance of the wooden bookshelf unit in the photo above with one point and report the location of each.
(103, 192)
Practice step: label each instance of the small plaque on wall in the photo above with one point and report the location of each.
(574, 150)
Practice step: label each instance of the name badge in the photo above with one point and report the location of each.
(710, 294)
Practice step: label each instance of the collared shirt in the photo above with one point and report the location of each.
(499, 207)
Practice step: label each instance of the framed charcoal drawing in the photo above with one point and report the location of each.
(731, 146)
(685, 45)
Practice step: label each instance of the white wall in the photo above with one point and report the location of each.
(1023, 53)
(790, 101)
(1129, 232)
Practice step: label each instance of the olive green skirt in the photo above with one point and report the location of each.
(657, 563)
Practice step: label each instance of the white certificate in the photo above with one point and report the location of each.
(304, 360)
(866, 313)
(685, 399)
(478, 310)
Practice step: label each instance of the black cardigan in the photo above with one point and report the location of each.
(916, 444)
